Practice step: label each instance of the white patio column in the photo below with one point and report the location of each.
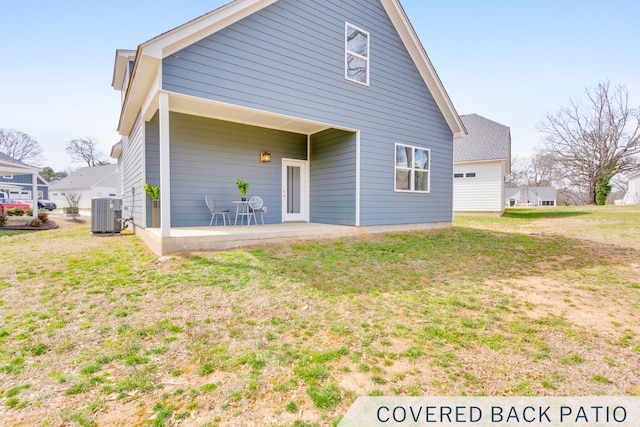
(34, 193)
(165, 163)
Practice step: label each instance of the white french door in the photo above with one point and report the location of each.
(295, 189)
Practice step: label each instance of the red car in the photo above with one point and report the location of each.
(10, 204)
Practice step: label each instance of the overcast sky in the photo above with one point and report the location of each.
(509, 61)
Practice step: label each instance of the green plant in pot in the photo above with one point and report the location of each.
(154, 192)
(243, 186)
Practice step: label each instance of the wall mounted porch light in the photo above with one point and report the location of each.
(265, 157)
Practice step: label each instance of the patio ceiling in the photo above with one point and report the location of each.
(233, 113)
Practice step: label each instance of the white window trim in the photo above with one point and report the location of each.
(347, 52)
(465, 175)
(411, 181)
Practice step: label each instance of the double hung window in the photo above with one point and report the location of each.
(356, 54)
(412, 168)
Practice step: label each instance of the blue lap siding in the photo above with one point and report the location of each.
(289, 59)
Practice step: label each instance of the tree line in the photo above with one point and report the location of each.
(27, 150)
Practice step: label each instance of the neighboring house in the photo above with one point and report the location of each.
(21, 181)
(482, 159)
(23, 189)
(530, 196)
(341, 94)
(88, 182)
(633, 192)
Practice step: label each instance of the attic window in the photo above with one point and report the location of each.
(356, 55)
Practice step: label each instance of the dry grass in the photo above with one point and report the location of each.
(98, 331)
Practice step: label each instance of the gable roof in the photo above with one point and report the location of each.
(150, 54)
(9, 165)
(486, 140)
(89, 177)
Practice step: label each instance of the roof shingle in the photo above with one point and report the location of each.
(486, 140)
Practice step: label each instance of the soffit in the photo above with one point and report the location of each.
(233, 113)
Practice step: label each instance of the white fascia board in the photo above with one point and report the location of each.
(199, 28)
(14, 169)
(150, 103)
(121, 63)
(464, 162)
(146, 76)
(421, 59)
(116, 150)
(150, 53)
(9, 187)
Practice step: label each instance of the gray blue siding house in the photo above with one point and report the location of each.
(21, 181)
(341, 94)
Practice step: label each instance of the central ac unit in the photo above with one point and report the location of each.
(106, 213)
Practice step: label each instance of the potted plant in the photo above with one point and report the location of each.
(154, 192)
(243, 186)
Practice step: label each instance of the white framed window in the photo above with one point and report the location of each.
(412, 168)
(356, 45)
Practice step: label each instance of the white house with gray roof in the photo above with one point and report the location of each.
(482, 159)
(530, 196)
(89, 182)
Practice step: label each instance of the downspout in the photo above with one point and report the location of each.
(357, 178)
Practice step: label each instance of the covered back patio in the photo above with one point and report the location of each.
(221, 238)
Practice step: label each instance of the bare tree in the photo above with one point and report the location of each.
(20, 146)
(86, 150)
(73, 198)
(595, 139)
(517, 177)
(538, 171)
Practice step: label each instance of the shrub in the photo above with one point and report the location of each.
(3, 220)
(16, 212)
(43, 215)
(35, 223)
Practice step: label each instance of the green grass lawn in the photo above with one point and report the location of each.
(96, 330)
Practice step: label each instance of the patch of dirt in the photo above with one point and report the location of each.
(579, 305)
(63, 221)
